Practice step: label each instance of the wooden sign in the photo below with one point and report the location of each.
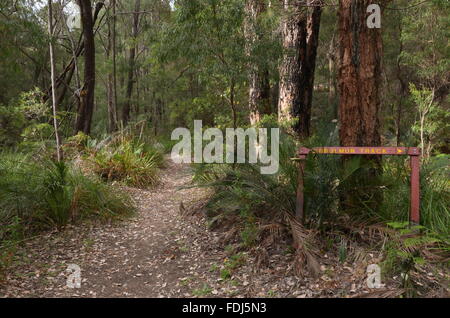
(413, 153)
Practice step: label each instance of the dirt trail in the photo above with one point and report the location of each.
(157, 253)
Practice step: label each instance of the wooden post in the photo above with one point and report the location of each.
(300, 202)
(413, 153)
(415, 189)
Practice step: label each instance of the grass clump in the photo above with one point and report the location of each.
(204, 291)
(39, 195)
(135, 164)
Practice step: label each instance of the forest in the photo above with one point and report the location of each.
(95, 97)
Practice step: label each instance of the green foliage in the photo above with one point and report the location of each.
(433, 123)
(12, 122)
(25, 121)
(23, 48)
(249, 234)
(231, 264)
(136, 164)
(37, 195)
(205, 290)
(403, 252)
(342, 251)
(435, 193)
(425, 32)
(243, 188)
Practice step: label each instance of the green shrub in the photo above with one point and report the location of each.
(134, 164)
(241, 187)
(435, 193)
(41, 195)
(12, 122)
(25, 120)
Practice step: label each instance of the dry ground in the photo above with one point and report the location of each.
(160, 253)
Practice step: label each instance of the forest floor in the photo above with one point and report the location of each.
(160, 252)
(157, 253)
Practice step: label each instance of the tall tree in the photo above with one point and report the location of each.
(303, 112)
(112, 76)
(131, 63)
(259, 86)
(52, 67)
(358, 75)
(86, 108)
(300, 32)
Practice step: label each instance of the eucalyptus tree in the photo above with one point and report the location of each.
(86, 107)
(205, 39)
(359, 75)
(23, 48)
(258, 73)
(131, 62)
(52, 66)
(300, 33)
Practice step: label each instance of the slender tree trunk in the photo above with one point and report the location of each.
(300, 28)
(63, 91)
(402, 90)
(52, 71)
(114, 57)
(259, 86)
(111, 83)
(77, 51)
(86, 108)
(332, 78)
(303, 112)
(131, 64)
(138, 92)
(73, 70)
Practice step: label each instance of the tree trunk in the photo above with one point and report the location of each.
(359, 73)
(111, 84)
(131, 64)
(77, 51)
(86, 108)
(403, 89)
(300, 28)
(303, 112)
(293, 31)
(259, 86)
(52, 65)
(63, 91)
(331, 56)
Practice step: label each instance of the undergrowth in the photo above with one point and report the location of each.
(121, 157)
(39, 195)
(258, 209)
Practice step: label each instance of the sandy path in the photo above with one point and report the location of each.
(157, 253)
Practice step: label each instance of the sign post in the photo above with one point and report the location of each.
(413, 153)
